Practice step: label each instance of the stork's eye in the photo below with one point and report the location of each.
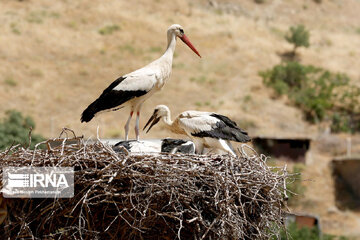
(181, 31)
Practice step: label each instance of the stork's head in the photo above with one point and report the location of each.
(179, 32)
(177, 29)
(160, 111)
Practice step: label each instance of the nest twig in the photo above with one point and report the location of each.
(159, 196)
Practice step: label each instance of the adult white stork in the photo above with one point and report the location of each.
(134, 88)
(206, 129)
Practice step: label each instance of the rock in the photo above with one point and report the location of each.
(332, 209)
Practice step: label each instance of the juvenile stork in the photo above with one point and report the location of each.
(206, 129)
(134, 88)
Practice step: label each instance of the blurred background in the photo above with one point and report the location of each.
(287, 71)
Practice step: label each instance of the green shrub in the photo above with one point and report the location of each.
(14, 129)
(305, 233)
(296, 233)
(340, 123)
(107, 30)
(15, 29)
(286, 77)
(299, 36)
(155, 49)
(295, 187)
(129, 48)
(320, 94)
(10, 81)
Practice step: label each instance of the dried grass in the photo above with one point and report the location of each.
(155, 196)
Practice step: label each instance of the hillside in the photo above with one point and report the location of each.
(56, 57)
(59, 63)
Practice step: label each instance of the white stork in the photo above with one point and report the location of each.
(134, 88)
(206, 129)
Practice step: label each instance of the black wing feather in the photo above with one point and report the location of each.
(225, 119)
(168, 145)
(225, 129)
(110, 99)
(113, 84)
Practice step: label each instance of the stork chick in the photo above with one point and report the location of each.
(134, 88)
(206, 129)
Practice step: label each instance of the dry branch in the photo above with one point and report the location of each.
(162, 196)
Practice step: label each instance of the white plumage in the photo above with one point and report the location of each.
(156, 146)
(142, 79)
(134, 88)
(206, 129)
(196, 121)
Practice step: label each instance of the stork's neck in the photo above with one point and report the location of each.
(169, 53)
(167, 119)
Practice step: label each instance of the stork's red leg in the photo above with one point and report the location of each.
(137, 126)
(127, 126)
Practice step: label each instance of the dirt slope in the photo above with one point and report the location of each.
(54, 61)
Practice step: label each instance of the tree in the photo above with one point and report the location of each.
(14, 129)
(322, 95)
(299, 36)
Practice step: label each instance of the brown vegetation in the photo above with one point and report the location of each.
(162, 196)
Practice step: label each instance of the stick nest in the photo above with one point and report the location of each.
(154, 196)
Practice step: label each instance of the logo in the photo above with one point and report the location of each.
(38, 182)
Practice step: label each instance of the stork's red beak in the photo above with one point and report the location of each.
(187, 42)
